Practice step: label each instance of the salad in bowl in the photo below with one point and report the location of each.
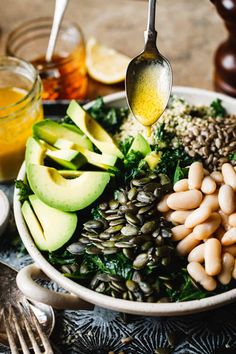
(140, 225)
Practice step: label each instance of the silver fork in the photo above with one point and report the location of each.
(14, 324)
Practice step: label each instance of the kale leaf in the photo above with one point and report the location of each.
(24, 190)
(173, 160)
(110, 118)
(218, 109)
(116, 264)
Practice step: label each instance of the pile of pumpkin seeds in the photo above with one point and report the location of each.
(130, 224)
(211, 138)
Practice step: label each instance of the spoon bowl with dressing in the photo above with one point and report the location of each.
(149, 78)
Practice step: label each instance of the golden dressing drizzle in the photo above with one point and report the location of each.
(150, 95)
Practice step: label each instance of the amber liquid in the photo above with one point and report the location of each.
(15, 128)
(63, 78)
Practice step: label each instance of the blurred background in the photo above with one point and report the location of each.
(189, 30)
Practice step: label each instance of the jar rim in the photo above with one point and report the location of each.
(27, 66)
(22, 29)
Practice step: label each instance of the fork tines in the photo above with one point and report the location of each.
(21, 323)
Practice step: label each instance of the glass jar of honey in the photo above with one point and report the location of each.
(20, 108)
(65, 77)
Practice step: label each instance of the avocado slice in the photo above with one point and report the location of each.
(99, 137)
(67, 158)
(66, 194)
(51, 131)
(104, 161)
(153, 159)
(141, 145)
(35, 152)
(34, 226)
(58, 226)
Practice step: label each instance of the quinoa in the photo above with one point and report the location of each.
(204, 135)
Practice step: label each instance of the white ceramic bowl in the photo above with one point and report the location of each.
(82, 296)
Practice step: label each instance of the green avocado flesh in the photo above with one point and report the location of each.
(35, 152)
(51, 131)
(66, 194)
(104, 161)
(67, 158)
(99, 137)
(141, 145)
(49, 227)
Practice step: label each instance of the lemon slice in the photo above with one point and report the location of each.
(105, 64)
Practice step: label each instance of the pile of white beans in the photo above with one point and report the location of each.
(203, 208)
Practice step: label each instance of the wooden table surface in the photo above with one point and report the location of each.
(189, 30)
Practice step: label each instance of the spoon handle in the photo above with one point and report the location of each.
(150, 34)
(60, 8)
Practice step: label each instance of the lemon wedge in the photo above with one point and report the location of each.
(105, 64)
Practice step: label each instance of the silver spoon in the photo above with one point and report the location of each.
(59, 11)
(149, 78)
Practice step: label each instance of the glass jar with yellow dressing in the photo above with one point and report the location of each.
(20, 108)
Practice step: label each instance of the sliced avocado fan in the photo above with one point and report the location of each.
(94, 131)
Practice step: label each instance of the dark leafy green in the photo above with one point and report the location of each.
(180, 173)
(110, 264)
(110, 118)
(163, 137)
(24, 190)
(61, 258)
(218, 109)
(173, 160)
(126, 144)
(232, 156)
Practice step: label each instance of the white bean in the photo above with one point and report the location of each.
(229, 175)
(179, 232)
(230, 249)
(197, 272)
(197, 254)
(211, 200)
(212, 256)
(162, 205)
(207, 228)
(181, 185)
(198, 216)
(208, 185)
(229, 237)
(232, 220)
(184, 200)
(195, 175)
(217, 176)
(226, 199)
(234, 270)
(179, 216)
(227, 268)
(186, 245)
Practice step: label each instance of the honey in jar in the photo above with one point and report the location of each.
(65, 76)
